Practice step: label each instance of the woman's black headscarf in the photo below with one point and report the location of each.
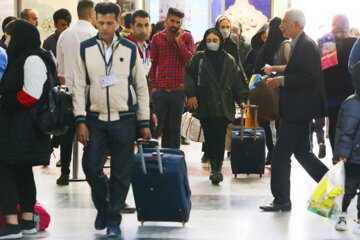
(272, 44)
(24, 37)
(216, 57)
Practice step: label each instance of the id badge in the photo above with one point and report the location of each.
(109, 80)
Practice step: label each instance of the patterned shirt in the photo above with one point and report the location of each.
(168, 61)
(292, 46)
(294, 42)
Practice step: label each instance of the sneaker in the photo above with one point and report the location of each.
(357, 228)
(185, 141)
(100, 221)
(10, 231)
(322, 151)
(63, 180)
(27, 227)
(341, 223)
(113, 231)
(58, 163)
(216, 177)
(128, 209)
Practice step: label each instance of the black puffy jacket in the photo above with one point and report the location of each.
(347, 138)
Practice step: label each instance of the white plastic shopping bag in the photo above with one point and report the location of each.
(327, 198)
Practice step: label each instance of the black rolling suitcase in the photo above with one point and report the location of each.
(248, 148)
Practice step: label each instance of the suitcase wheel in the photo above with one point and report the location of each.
(260, 175)
(183, 223)
(142, 223)
(248, 174)
(235, 175)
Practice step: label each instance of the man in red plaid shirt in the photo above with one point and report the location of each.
(171, 49)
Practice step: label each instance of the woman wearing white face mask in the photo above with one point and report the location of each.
(213, 82)
(224, 25)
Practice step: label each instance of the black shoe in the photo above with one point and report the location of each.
(185, 141)
(27, 227)
(58, 163)
(216, 177)
(268, 158)
(63, 180)
(204, 159)
(275, 207)
(128, 209)
(100, 221)
(322, 151)
(10, 231)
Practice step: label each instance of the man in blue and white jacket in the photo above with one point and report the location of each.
(110, 97)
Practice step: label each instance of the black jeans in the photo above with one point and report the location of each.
(66, 146)
(352, 184)
(214, 134)
(109, 196)
(293, 139)
(17, 186)
(317, 126)
(333, 116)
(172, 105)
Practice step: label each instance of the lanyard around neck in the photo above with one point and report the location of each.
(145, 55)
(108, 65)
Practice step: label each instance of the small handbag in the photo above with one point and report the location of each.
(267, 99)
(191, 128)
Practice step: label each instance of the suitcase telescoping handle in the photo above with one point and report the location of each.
(142, 141)
(242, 127)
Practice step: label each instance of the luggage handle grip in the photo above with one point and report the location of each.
(141, 142)
(242, 126)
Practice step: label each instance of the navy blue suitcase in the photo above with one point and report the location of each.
(161, 188)
(248, 150)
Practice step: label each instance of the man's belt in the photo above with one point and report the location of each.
(172, 89)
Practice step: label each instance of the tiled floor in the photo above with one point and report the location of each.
(228, 211)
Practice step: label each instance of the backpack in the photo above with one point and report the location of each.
(41, 217)
(53, 113)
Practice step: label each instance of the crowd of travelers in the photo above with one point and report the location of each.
(129, 78)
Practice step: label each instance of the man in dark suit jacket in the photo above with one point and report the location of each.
(302, 98)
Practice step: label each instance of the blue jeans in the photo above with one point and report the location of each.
(119, 136)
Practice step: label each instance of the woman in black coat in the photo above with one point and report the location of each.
(22, 145)
(275, 51)
(224, 25)
(212, 83)
(257, 41)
